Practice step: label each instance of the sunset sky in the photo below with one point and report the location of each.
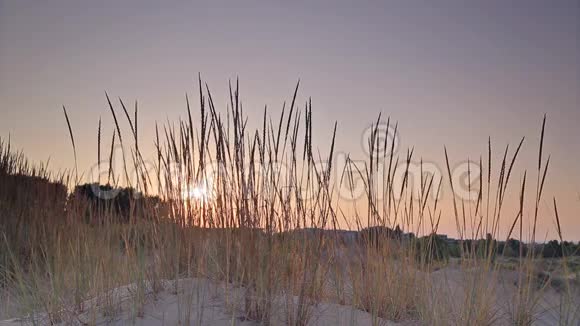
(450, 72)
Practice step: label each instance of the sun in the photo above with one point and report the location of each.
(198, 191)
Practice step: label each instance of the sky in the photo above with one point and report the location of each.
(450, 72)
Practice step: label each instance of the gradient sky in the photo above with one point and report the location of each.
(451, 72)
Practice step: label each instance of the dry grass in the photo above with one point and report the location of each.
(259, 234)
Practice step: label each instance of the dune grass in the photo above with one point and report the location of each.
(257, 234)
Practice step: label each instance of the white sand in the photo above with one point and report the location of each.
(198, 302)
(203, 302)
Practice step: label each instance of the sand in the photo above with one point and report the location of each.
(209, 304)
(199, 301)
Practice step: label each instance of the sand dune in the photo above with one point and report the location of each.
(199, 301)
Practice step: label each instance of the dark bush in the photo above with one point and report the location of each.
(123, 204)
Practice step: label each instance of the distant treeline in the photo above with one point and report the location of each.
(441, 247)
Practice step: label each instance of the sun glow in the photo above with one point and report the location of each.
(198, 191)
(195, 193)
